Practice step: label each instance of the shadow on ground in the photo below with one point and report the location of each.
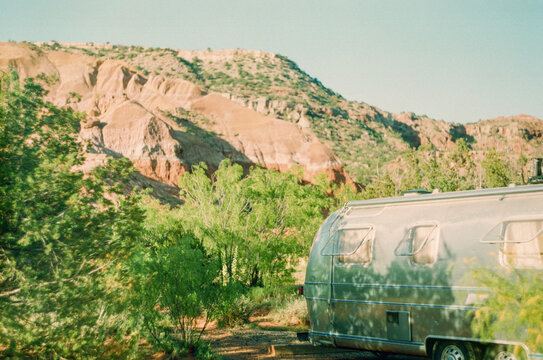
(246, 343)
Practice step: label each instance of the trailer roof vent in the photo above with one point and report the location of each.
(415, 192)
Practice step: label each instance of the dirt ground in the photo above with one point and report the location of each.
(252, 342)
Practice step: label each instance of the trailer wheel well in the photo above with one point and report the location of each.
(478, 347)
(430, 346)
(492, 350)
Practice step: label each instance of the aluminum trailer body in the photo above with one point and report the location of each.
(395, 274)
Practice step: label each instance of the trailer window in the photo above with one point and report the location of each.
(352, 245)
(425, 244)
(421, 243)
(351, 238)
(520, 242)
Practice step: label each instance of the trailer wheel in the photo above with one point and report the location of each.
(453, 350)
(500, 352)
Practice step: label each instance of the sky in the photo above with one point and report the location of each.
(459, 61)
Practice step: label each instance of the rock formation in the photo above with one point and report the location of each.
(129, 114)
(167, 110)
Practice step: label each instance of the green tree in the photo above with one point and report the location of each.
(497, 171)
(257, 226)
(174, 283)
(284, 216)
(379, 188)
(513, 309)
(61, 238)
(216, 207)
(522, 161)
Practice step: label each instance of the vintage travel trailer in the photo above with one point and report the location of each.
(395, 275)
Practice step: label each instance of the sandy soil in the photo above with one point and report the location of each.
(252, 342)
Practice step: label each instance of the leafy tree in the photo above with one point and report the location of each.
(216, 207)
(381, 187)
(61, 237)
(257, 225)
(340, 195)
(428, 169)
(284, 216)
(513, 309)
(521, 164)
(497, 172)
(174, 284)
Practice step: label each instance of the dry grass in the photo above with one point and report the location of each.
(291, 313)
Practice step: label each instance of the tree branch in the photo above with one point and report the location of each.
(16, 291)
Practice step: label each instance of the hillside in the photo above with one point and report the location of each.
(165, 125)
(250, 106)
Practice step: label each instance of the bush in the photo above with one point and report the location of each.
(497, 171)
(293, 311)
(61, 239)
(236, 312)
(287, 307)
(173, 286)
(513, 309)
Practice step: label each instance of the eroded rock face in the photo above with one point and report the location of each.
(275, 144)
(134, 132)
(24, 59)
(128, 116)
(424, 130)
(124, 111)
(511, 135)
(520, 134)
(151, 119)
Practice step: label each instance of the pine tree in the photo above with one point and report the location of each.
(61, 238)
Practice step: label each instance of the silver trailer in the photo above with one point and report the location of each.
(394, 275)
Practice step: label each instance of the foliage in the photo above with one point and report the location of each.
(428, 169)
(257, 226)
(513, 309)
(61, 237)
(49, 79)
(286, 306)
(498, 173)
(291, 311)
(173, 286)
(236, 311)
(380, 188)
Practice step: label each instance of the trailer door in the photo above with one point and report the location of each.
(354, 251)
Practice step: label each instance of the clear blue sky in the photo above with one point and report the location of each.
(453, 60)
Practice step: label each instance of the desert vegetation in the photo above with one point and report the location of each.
(91, 267)
(366, 139)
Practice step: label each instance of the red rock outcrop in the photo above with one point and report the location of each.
(273, 143)
(127, 116)
(519, 134)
